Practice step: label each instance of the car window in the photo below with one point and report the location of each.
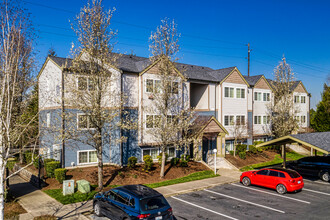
(292, 174)
(153, 203)
(262, 172)
(280, 174)
(111, 195)
(273, 173)
(123, 198)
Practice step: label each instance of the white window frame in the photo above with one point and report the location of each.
(79, 151)
(301, 119)
(296, 100)
(229, 88)
(255, 98)
(239, 88)
(88, 80)
(267, 97)
(229, 116)
(259, 120)
(241, 122)
(303, 98)
(150, 148)
(81, 129)
(48, 117)
(57, 152)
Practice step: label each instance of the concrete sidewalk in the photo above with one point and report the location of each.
(37, 203)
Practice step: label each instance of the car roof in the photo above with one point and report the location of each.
(139, 191)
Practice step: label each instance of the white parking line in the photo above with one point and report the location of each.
(317, 181)
(328, 194)
(192, 204)
(252, 203)
(274, 194)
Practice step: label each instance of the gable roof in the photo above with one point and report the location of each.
(202, 121)
(318, 140)
(252, 80)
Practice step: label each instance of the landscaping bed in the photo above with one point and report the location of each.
(259, 160)
(114, 175)
(12, 208)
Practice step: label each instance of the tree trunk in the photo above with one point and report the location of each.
(235, 143)
(100, 165)
(2, 191)
(162, 169)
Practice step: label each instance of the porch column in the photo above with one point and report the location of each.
(220, 142)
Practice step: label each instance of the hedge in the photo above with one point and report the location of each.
(132, 162)
(60, 174)
(51, 167)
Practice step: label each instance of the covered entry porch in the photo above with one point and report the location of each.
(208, 134)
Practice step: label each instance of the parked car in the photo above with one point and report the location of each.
(283, 180)
(318, 166)
(132, 202)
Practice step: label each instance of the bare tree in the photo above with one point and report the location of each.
(93, 83)
(239, 131)
(16, 62)
(170, 116)
(281, 110)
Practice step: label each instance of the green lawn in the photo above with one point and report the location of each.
(80, 197)
(276, 160)
(191, 177)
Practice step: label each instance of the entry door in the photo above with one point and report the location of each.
(205, 149)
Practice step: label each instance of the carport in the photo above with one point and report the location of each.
(318, 141)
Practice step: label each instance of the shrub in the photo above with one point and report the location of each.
(148, 162)
(27, 156)
(47, 160)
(184, 160)
(11, 164)
(253, 149)
(36, 162)
(242, 155)
(159, 157)
(60, 174)
(132, 162)
(51, 167)
(241, 148)
(231, 153)
(175, 161)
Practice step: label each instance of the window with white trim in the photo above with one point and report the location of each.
(240, 120)
(296, 99)
(303, 119)
(87, 156)
(229, 92)
(240, 93)
(257, 120)
(85, 83)
(229, 120)
(257, 96)
(266, 97)
(175, 88)
(297, 118)
(84, 122)
(153, 152)
(266, 119)
(303, 99)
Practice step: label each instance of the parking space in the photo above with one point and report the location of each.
(235, 201)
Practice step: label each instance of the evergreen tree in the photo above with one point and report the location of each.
(321, 120)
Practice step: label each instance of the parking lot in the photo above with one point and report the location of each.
(235, 201)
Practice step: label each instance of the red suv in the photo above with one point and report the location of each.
(283, 180)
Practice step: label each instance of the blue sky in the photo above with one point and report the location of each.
(214, 32)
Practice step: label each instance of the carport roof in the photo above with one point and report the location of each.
(318, 140)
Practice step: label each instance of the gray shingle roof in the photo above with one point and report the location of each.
(135, 64)
(252, 80)
(318, 139)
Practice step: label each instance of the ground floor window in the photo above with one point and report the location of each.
(88, 156)
(154, 152)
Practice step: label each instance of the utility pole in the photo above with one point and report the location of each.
(248, 58)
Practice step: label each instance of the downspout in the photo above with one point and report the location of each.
(121, 121)
(252, 123)
(215, 101)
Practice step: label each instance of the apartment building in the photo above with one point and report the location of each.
(223, 99)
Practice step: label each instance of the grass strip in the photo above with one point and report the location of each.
(191, 177)
(277, 159)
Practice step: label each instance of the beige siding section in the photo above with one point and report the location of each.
(262, 84)
(300, 89)
(155, 70)
(212, 127)
(235, 77)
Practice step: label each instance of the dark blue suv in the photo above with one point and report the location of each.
(132, 202)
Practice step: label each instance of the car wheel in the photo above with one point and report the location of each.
(97, 209)
(246, 181)
(325, 176)
(281, 189)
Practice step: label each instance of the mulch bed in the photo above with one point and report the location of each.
(12, 208)
(114, 175)
(251, 158)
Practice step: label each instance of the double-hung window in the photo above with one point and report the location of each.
(303, 119)
(84, 122)
(257, 96)
(85, 83)
(88, 156)
(150, 85)
(175, 87)
(266, 97)
(240, 120)
(153, 152)
(257, 120)
(229, 120)
(266, 119)
(229, 92)
(296, 99)
(240, 93)
(303, 99)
